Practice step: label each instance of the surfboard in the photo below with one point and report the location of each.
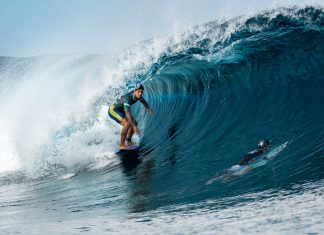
(131, 150)
(129, 157)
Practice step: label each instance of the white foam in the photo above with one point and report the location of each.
(47, 98)
(9, 161)
(67, 176)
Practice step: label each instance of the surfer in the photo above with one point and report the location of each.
(121, 113)
(242, 166)
(263, 147)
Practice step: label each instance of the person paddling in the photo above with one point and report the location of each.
(263, 146)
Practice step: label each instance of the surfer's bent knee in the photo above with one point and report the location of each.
(125, 122)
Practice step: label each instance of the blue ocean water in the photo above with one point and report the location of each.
(216, 90)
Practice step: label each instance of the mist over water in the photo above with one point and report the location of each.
(216, 89)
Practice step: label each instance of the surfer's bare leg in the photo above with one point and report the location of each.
(130, 135)
(126, 127)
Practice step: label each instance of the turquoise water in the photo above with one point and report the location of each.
(216, 89)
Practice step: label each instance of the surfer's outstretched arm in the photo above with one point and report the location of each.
(146, 105)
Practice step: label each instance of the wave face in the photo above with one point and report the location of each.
(214, 101)
(216, 90)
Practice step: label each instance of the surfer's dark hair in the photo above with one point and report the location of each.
(141, 87)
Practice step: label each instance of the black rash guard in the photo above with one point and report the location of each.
(250, 156)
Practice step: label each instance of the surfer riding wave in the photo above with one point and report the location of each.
(121, 113)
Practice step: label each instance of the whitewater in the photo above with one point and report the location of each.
(216, 89)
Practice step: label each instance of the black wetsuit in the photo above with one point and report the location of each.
(250, 156)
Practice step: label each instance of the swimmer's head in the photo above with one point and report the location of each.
(264, 144)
